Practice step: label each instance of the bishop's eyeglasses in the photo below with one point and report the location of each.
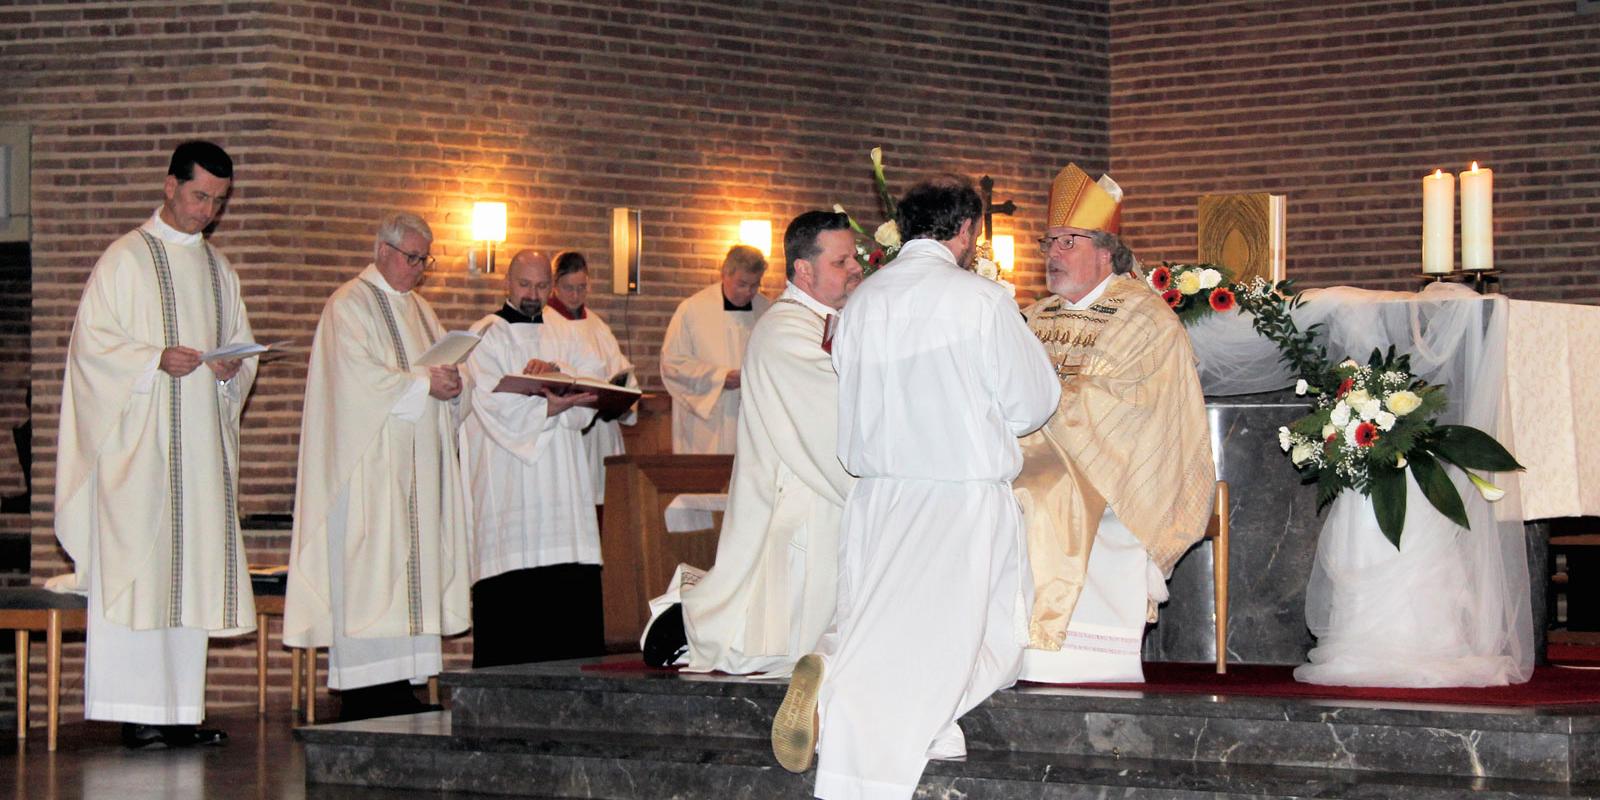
(416, 259)
(1066, 240)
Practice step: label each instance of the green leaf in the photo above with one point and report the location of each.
(1470, 448)
(1388, 491)
(1436, 486)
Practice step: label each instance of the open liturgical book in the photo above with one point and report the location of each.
(613, 398)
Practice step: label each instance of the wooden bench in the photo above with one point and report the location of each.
(36, 609)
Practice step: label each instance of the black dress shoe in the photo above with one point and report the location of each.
(137, 736)
(191, 735)
(666, 639)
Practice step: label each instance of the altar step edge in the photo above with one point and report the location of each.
(426, 752)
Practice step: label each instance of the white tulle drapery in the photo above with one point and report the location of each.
(1451, 607)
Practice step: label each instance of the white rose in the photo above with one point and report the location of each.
(888, 234)
(1283, 439)
(1385, 420)
(1350, 433)
(1301, 387)
(1301, 454)
(1209, 278)
(1341, 415)
(1349, 363)
(1187, 283)
(1369, 408)
(1403, 402)
(987, 269)
(1357, 397)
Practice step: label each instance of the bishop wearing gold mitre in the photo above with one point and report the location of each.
(1118, 484)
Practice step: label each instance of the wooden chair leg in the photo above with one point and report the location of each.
(22, 684)
(433, 690)
(261, 663)
(311, 686)
(296, 668)
(53, 678)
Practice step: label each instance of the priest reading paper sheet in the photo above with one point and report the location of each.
(535, 541)
(1119, 483)
(772, 591)
(378, 564)
(937, 377)
(704, 347)
(147, 465)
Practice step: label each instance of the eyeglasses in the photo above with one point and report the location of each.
(1066, 240)
(416, 259)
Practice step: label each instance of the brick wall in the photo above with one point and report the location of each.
(697, 113)
(1344, 107)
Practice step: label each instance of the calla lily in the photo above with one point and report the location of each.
(1489, 491)
(877, 162)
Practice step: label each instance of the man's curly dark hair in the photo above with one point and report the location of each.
(935, 208)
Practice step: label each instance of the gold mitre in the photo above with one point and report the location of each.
(1077, 202)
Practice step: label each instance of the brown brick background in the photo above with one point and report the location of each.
(1344, 106)
(703, 113)
(698, 113)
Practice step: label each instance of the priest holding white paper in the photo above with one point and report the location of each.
(535, 540)
(704, 348)
(147, 463)
(771, 594)
(378, 564)
(937, 377)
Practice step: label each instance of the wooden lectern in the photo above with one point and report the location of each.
(638, 552)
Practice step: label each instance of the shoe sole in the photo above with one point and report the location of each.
(794, 729)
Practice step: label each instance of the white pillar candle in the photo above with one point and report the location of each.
(1477, 218)
(1438, 222)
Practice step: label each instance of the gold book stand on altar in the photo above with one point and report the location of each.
(1245, 233)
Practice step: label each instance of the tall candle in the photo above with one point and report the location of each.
(1438, 222)
(1477, 218)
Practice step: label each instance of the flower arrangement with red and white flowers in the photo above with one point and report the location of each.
(1193, 290)
(874, 251)
(1370, 424)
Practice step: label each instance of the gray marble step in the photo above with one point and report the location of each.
(426, 753)
(1555, 743)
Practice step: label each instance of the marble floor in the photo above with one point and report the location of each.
(262, 761)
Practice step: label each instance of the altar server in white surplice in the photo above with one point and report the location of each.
(704, 348)
(938, 375)
(535, 540)
(772, 591)
(569, 300)
(378, 565)
(147, 466)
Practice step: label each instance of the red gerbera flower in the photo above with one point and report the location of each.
(1173, 297)
(876, 258)
(1344, 388)
(1222, 299)
(1366, 434)
(1161, 279)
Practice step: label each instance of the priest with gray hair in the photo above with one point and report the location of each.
(378, 564)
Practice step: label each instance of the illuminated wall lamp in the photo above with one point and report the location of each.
(758, 234)
(1005, 253)
(489, 227)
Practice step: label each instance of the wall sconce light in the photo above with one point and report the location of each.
(1005, 253)
(489, 227)
(758, 234)
(625, 245)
